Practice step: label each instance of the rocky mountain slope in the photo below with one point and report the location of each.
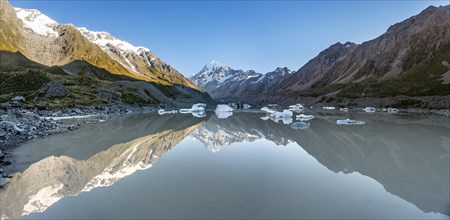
(227, 84)
(411, 58)
(407, 66)
(67, 52)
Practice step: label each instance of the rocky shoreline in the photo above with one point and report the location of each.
(20, 125)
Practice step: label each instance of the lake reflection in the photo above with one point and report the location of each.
(394, 166)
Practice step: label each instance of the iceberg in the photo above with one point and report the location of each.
(265, 118)
(369, 109)
(223, 108)
(280, 115)
(300, 125)
(246, 106)
(268, 110)
(199, 114)
(223, 115)
(198, 107)
(392, 110)
(349, 122)
(303, 117)
(296, 108)
(163, 112)
(329, 108)
(287, 121)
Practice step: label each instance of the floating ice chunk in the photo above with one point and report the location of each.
(369, 109)
(329, 108)
(392, 110)
(343, 109)
(280, 115)
(185, 110)
(300, 125)
(349, 122)
(223, 115)
(163, 112)
(199, 114)
(303, 117)
(296, 108)
(198, 107)
(223, 108)
(287, 121)
(268, 110)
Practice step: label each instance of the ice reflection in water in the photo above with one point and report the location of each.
(409, 156)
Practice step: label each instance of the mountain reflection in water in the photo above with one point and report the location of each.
(408, 156)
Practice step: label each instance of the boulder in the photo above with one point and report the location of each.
(18, 99)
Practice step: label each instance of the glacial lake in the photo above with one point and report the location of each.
(239, 167)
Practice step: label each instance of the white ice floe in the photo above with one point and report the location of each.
(163, 112)
(300, 125)
(392, 110)
(369, 109)
(287, 121)
(303, 117)
(268, 110)
(223, 115)
(349, 122)
(280, 115)
(198, 107)
(296, 108)
(223, 108)
(199, 114)
(265, 118)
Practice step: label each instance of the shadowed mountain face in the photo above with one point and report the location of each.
(410, 59)
(396, 154)
(48, 180)
(407, 154)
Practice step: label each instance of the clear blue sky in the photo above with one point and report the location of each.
(258, 35)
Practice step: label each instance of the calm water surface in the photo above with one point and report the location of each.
(179, 166)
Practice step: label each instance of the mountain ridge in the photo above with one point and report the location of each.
(46, 41)
(227, 84)
(407, 66)
(94, 68)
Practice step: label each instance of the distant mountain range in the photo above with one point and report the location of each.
(64, 52)
(225, 83)
(406, 67)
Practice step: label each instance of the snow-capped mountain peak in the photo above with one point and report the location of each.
(214, 65)
(103, 39)
(36, 21)
(227, 83)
